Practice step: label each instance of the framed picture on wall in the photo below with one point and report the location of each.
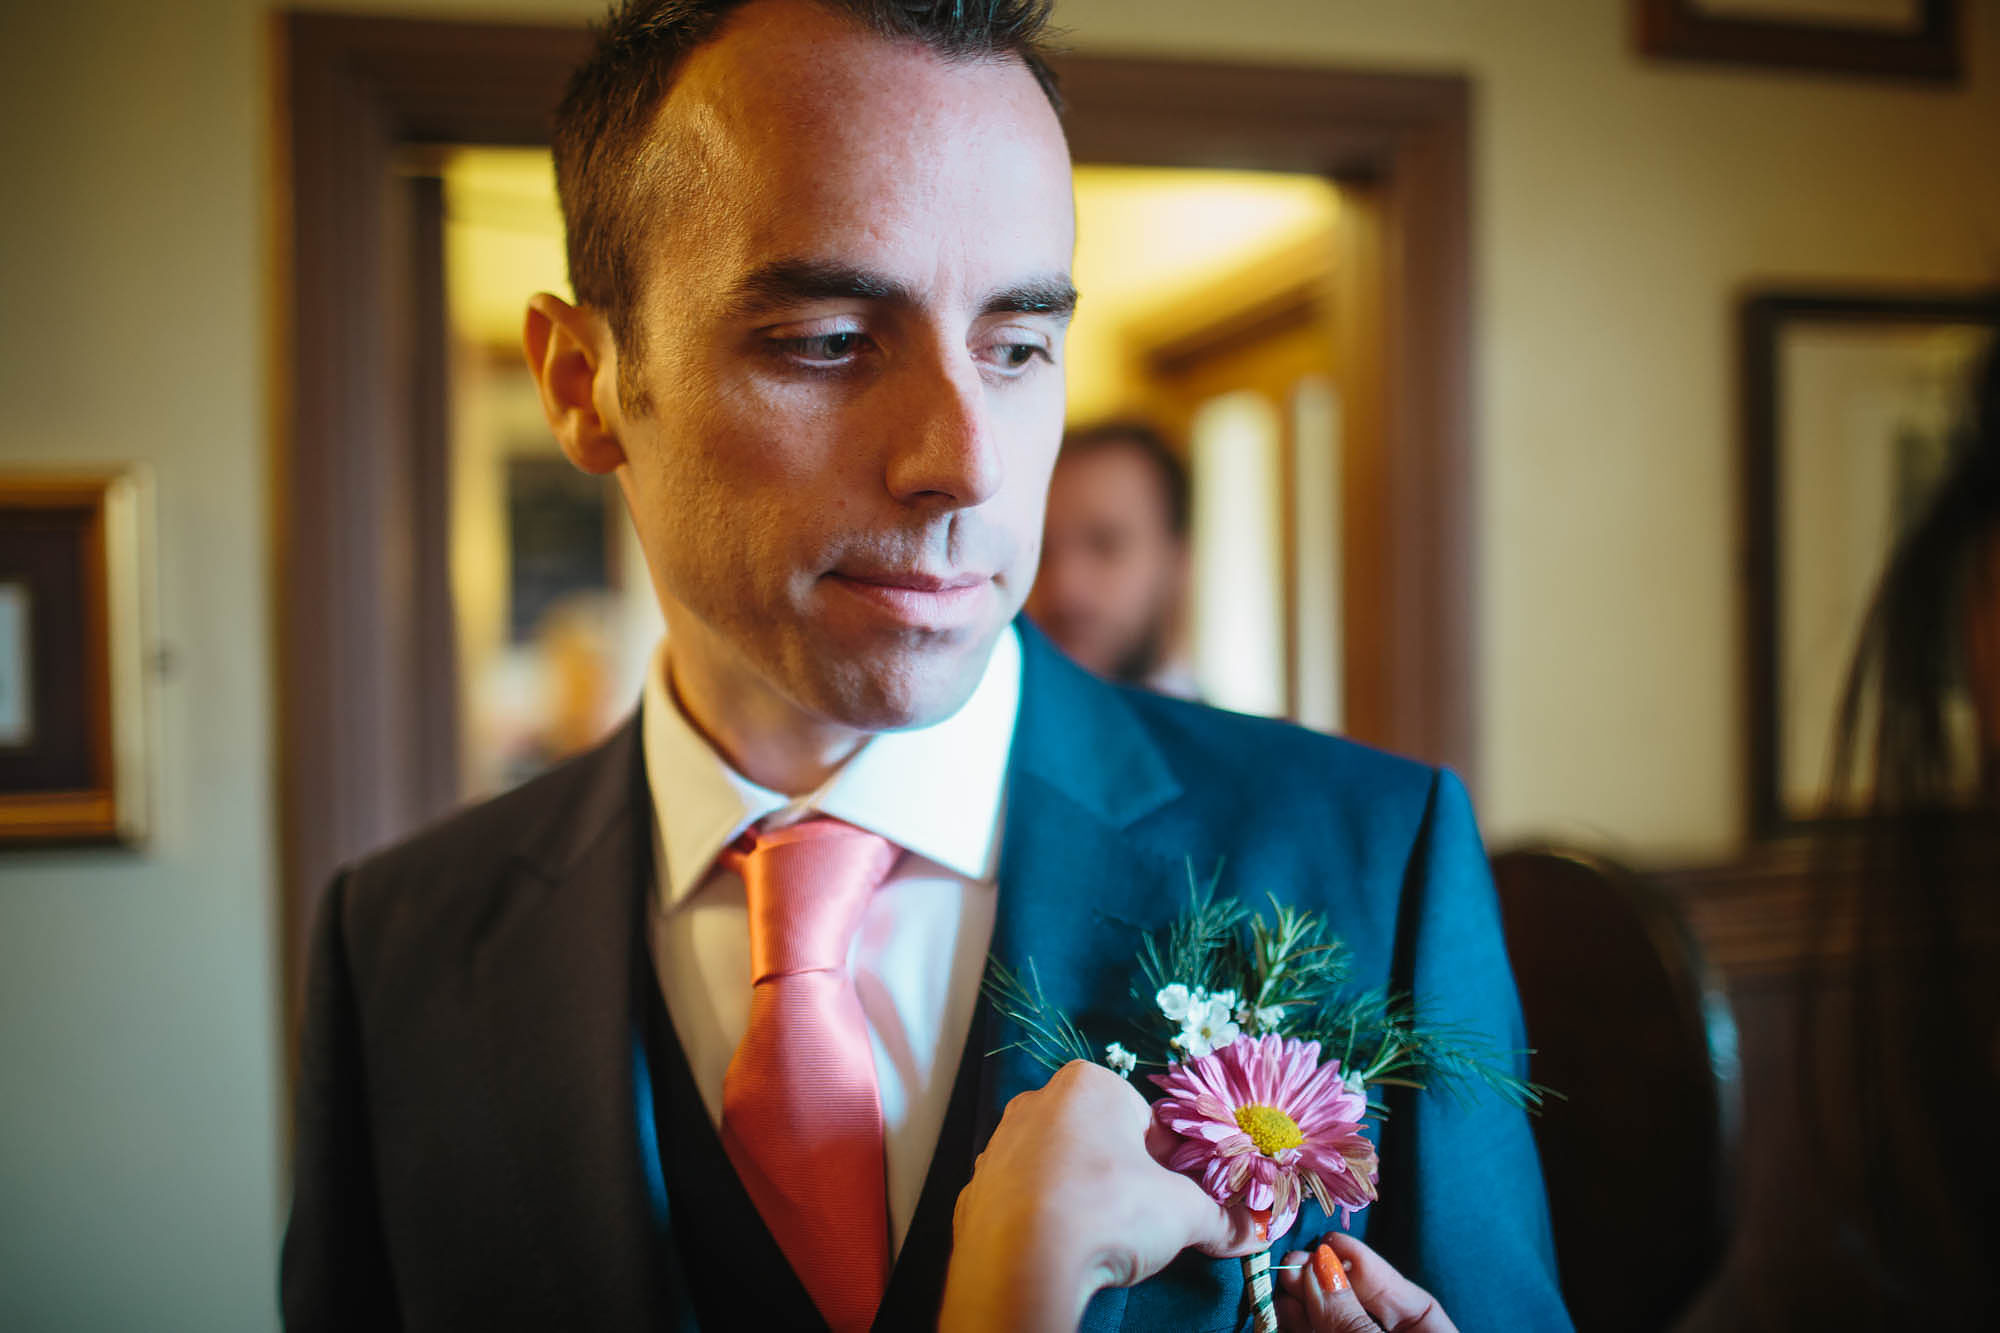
(1902, 39)
(73, 757)
(1852, 406)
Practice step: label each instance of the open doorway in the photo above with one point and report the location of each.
(1208, 312)
(370, 743)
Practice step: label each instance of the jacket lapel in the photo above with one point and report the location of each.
(1075, 884)
(552, 969)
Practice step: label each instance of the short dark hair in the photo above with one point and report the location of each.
(599, 129)
(1149, 443)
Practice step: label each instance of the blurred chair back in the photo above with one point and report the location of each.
(1628, 1025)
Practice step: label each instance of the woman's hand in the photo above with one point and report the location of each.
(1068, 1199)
(1345, 1287)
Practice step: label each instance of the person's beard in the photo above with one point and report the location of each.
(1138, 663)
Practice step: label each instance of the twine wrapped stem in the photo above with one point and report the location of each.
(1257, 1276)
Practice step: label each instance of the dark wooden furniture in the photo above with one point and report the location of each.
(1631, 1027)
(1790, 928)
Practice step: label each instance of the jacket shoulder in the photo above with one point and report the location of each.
(1343, 824)
(1214, 748)
(461, 860)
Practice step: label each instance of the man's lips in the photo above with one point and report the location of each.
(918, 599)
(913, 580)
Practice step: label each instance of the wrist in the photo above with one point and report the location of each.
(1018, 1278)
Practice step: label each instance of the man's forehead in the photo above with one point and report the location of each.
(795, 138)
(1110, 478)
(778, 65)
(795, 135)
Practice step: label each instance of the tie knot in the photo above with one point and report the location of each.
(807, 885)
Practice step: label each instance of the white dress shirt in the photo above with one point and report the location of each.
(921, 948)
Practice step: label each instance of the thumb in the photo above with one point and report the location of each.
(1228, 1233)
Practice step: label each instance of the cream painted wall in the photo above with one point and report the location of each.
(139, 1054)
(1620, 207)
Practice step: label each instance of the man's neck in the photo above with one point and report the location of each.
(763, 737)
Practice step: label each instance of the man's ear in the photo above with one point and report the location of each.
(575, 364)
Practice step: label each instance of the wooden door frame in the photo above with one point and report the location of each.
(359, 537)
(1399, 144)
(360, 509)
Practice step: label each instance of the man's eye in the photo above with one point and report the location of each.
(1016, 356)
(822, 347)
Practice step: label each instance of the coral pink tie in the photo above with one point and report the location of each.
(801, 1116)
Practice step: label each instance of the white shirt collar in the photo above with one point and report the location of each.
(935, 791)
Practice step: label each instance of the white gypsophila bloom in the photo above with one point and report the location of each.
(1352, 1081)
(1269, 1017)
(1120, 1060)
(1225, 998)
(1191, 1044)
(1209, 1025)
(1174, 1001)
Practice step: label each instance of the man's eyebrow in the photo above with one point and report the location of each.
(801, 281)
(1041, 296)
(798, 281)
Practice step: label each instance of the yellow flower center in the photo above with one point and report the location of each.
(1269, 1128)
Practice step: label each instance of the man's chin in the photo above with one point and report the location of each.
(905, 690)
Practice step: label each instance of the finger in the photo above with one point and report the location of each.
(1326, 1301)
(1124, 1091)
(1292, 1317)
(1296, 1282)
(1218, 1232)
(1087, 1078)
(1290, 1271)
(1328, 1272)
(1398, 1304)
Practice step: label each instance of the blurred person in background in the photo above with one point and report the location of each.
(1892, 1215)
(1114, 575)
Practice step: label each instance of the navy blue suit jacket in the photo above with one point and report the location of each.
(469, 1149)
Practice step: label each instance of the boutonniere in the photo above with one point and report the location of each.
(1271, 1062)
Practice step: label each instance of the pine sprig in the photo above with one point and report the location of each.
(1386, 1039)
(1203, 946)
(1048, 1036)
(1296, 964)
(1285, 974)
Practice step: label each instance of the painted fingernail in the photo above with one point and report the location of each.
(1327, 1269)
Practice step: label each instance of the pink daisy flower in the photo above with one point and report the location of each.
(1262, 1124)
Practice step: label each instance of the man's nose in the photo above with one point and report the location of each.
(944, 444)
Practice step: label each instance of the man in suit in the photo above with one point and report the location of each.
(687, 1033)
